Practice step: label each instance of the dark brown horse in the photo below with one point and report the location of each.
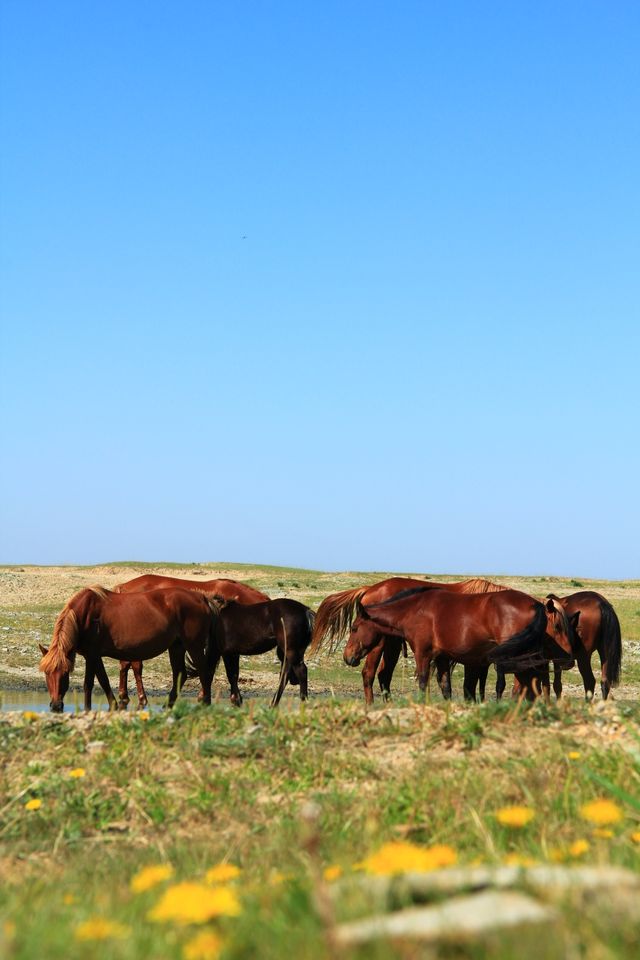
(98, 623)
(508, 628)
(223, 588)
(242, 630)
(598, 628)
(336, 612)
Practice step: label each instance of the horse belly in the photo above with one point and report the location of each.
(136, 638)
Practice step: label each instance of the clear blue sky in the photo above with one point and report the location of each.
(340, 285)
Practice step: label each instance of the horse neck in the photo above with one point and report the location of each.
(393, 616)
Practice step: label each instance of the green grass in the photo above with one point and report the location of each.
(204, 785)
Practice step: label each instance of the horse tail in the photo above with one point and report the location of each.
(311, 622)
(610, 642)
(524, 649)
(334, 617)
(61, 654)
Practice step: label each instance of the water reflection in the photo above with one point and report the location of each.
(38, 701)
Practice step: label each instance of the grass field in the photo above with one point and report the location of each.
(300, 801)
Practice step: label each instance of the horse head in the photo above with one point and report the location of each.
(365, 634)
(56, 672)
(561, 631)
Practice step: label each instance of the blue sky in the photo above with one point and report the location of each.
(347, 286)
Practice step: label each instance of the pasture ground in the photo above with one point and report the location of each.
(288, 795)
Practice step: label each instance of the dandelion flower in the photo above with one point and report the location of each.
(186, 903)
(518, 860)
(579, 847)
(77, 772)
(601, 812)
(206, 945)
(636, 836)
(33, 804)
(9, 929)
(603, 833)
(514, 816)
(68, 899)
(401, 857)
(143, 715)
(574, 755)
(150, 877)
(332, 873)
(222, 873)
(30, 715)
(97, 928)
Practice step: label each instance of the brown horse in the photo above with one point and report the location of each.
(98, 623)
(508, 628)
(226, 589)
(598, 628)
(336, 612)
(245, 630)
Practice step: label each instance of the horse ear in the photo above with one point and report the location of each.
(550, 605)
(43, 650)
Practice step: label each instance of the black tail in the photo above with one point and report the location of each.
(523, 651)
(610, 642)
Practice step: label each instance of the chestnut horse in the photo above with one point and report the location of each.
(508, 628)
(336, 613)
(245, 630)
(98, 623)
(598, 628)
(226, 589)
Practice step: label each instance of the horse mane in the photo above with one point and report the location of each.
(334, 617)
(409, 592)
(61, 654)
(480, 585)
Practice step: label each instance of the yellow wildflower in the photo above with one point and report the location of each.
(557, 855)
(68, 899)
(636, 836)
(276, 877)
(403, 857)
(578, 848)
(9, 929)
(574, 755)
(514, 816)
(603, 833)
(30, 715)
(77, 772)
(332, 873)
(518, 860)
(33, 804)
(222, 873)
(601, 812)
(143, 715)
(150, 877)
(97, 928)
(206, 945)
(195, 903)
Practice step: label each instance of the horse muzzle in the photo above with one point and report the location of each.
(56, 706)
(352, 660)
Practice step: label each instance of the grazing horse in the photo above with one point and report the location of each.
(98, 623)
(336, 612)
(227, 589)
(242, 630)
(508, 628)
(597, 628)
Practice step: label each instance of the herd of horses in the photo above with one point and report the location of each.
(474, 623)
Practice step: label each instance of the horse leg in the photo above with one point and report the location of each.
(545, 683)
(371, 662)
(232, 668)
(89, 674)
(300, 672)
(123, 692)
(392, 648)
(136, 666)
(178, 670)
(557, 681)
(284, 676)
(443, 671)
(588, 677)
(423, 666)
(469, 683)
(483, 673)
(103, 680)
(605, 686)
(501, 683)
